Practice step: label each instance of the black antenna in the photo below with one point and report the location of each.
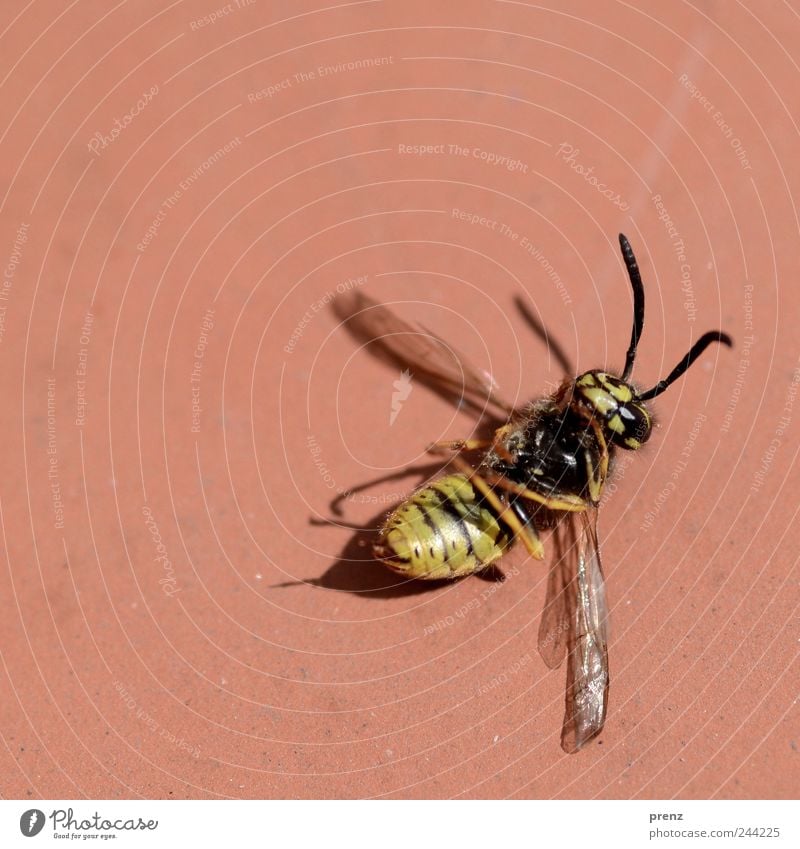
(638, 302)
(694, 352)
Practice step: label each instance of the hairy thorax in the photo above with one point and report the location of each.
(549, 451)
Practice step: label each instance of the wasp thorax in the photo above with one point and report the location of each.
(613, 403)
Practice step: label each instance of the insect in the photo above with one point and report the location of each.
(544, 468)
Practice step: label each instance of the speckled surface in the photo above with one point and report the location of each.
(180, 616)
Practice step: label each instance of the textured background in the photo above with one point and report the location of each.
(184, 188)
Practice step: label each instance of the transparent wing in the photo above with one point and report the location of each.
(422, 350)
(559, 606)
(587, 671)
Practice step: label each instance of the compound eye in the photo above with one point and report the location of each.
(636, 426)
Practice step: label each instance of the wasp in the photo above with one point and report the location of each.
(544, 468)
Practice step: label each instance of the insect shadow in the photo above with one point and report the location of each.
(539, 329)
(386, 342)
(356, 569)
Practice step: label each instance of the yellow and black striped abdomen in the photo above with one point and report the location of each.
(442, 531)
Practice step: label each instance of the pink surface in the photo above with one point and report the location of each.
(182, 402)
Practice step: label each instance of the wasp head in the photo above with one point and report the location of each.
(614, 404)
(621, 411)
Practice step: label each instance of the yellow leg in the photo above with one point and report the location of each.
(529, 537)
(596, 482)
(497, 444)
(459, 445)
(567, 503)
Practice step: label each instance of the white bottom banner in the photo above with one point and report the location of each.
(402, 824)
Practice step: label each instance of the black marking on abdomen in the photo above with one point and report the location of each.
(447, 506)
(426, 517)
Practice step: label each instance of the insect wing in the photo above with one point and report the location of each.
(423, 350)
(587, 672)
(558, 613)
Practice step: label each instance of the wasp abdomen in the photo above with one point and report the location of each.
(442, 531)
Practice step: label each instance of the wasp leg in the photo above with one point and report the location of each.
(497, 444)
(567, 503)
(597, 477)
(528, 536)
(458, 445)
